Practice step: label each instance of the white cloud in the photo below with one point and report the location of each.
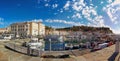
(117, 9)
(61, 10)
(116, 31)
(90, 0)
(93, 18)
(37, 20)
(110, 13)
(46, 4)
(101, 2)
(55, 13)
(1, 21)
(66, 6)
(64, 22)
(77, 15)
(98, 20)
(78, 5)
(88, 12)
(116, 2)
(111, 10)
(109, 1)
(73, 0)
(47, 0)
(68, 17)
(54, 5)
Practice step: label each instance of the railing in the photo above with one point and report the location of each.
(20, 49)
(16, 48)
(117, 57)
(26, 51)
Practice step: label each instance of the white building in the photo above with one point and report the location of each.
(28, 28)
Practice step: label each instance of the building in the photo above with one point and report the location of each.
(3, 30)
(28, 28)
(56, 32)
(62, 32)
(51, 32)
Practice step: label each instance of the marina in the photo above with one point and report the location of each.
(103, 54)
(59, 30)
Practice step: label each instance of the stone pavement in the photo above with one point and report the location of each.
(8, 55)
(101, 55)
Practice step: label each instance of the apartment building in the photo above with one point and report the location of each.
(3, 30)
(28, 28)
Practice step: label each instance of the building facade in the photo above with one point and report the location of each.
(3, 30)
(28, 29)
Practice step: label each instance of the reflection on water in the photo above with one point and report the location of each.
(55, 46)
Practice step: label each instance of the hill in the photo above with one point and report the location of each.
(86, 29)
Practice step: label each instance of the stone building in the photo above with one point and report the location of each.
(28, 28)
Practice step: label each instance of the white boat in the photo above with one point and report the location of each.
(103, 45)
(35, 44)
(7, 36)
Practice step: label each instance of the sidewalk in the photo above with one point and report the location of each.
(101, 55)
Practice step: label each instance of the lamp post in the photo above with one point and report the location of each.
(50, 44)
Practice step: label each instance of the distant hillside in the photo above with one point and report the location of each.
(86, 29)
(49, 28)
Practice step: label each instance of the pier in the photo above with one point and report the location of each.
(27, 51)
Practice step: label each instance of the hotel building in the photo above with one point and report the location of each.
(28, 29)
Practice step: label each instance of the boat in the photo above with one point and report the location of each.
(35, 43)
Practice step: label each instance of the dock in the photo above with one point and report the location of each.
(24, 50)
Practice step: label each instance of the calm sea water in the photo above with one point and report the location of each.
(55, 46)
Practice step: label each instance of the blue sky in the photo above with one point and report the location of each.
(62, 13)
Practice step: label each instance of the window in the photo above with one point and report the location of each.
(26, 25)
(26, 29)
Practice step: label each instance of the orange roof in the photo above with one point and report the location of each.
(2, 28)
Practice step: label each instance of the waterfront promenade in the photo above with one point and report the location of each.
(101, 55)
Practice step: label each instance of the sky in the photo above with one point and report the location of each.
(62, 13)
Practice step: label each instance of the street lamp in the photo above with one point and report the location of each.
(50, 44)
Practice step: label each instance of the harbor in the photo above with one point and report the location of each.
(9, 55)
(34, 49)
(59, 30)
